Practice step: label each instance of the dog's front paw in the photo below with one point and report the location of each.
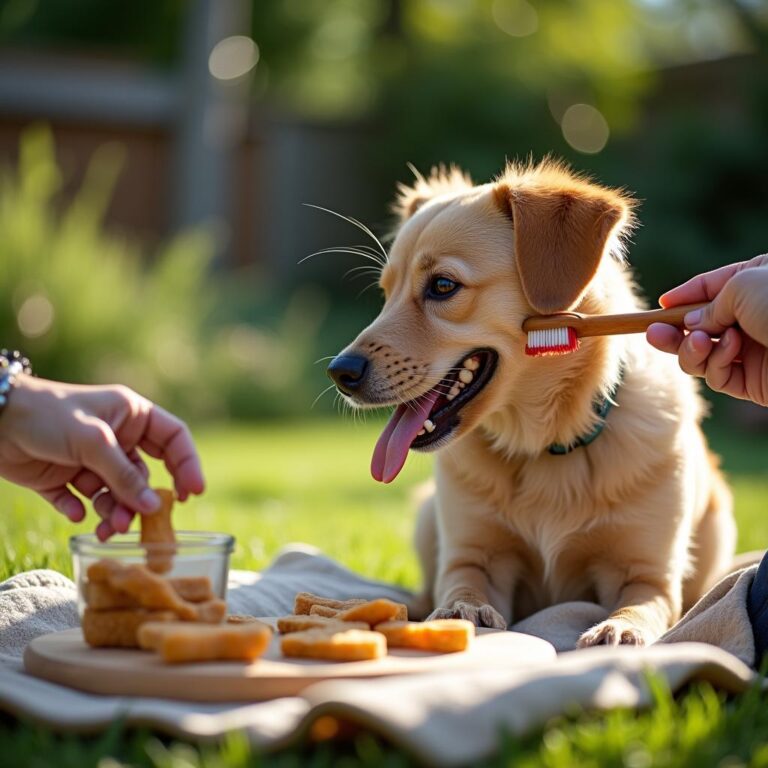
(614, 632)
(480, 614)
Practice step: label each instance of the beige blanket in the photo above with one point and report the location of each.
(443, 720)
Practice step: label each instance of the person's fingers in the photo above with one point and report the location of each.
(168, 438)
(104, 503)
(721, 373)
(693, 353)
(65, 502)
(720, 313)
(121, 518)
(665, 338)
(104, 530)
(87, 483)
(702, 287)
(101, 453)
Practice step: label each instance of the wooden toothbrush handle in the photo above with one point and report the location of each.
(611, 325)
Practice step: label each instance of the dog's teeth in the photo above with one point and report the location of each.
(465, 375)
(472, 363)
(429, 426)
(460, 384)
(455, 389)
(450, 396)
(421, 432)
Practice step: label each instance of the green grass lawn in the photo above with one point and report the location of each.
(271, 485)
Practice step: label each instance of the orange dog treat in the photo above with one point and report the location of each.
(149, 589)
(180, 642)
(210, 612)
(118, 629)
(375, 611)
(240, 618)
(101, 597)
(300, 623)
(194, 589)
(305, 600)
(440, 635)
(158, 529)
(333, 645)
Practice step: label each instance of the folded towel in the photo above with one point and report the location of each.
(444, 719)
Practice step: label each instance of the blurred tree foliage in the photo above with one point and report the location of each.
(681, 85)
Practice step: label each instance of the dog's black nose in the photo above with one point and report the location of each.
(348, 372)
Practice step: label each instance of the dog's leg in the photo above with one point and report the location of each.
(462, 591)
(476, 571)
(645, 610)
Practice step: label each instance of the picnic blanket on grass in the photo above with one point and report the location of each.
(441, 719)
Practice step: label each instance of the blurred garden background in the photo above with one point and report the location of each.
(156, 162)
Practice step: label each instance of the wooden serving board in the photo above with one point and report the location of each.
(64, 658)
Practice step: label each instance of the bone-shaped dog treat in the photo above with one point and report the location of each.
(333, 645)
(300, 623)
(374, 612)
(180, 642)
(157, 532)
(440, 635)
(101, 596)
(305, 600)
(118, 628)
(153, 591)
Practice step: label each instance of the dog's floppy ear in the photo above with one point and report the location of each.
(440, 181)
(560, 237)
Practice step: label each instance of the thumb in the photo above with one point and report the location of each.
(716, 316)
(103, 455)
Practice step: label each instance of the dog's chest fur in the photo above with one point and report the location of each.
(564, 522)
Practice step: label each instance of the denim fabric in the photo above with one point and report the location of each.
(757, 608)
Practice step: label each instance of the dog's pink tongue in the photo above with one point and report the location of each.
(392, 447)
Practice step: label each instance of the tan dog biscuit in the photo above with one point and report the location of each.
(194, 589)
(157, 532)
(118, 629)
(300, 623)
(375, 611)
(440, 635)
(240, 618)
(305, 600)
(210, 612)
(323, 611)
(180, 642)
(149, 589)
(348, 645)
(101, 596)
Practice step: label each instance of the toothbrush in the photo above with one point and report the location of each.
(559, 334)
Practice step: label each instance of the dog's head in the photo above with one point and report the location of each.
(467, 266)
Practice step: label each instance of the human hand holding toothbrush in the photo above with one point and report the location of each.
(737, 364)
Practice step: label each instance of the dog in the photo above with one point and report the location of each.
(582, 476)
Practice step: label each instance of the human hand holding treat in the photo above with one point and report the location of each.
(56, 438)
(737, 316)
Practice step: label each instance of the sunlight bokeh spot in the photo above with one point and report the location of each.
(517, 18)
(35, 316)
(585, 128)
(233, 57)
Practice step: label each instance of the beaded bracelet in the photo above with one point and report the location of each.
(12, 365)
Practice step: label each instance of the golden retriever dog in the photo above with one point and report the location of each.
(582, 476)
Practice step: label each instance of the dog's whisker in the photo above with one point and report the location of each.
(327, 389)
(355, 222)
(367, 288)
(351, 251)
(320, 359)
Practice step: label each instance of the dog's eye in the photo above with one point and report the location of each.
(441, 287)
